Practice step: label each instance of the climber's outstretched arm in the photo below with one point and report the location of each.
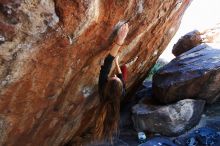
(121, 35)
(105, 69)
(117, 65)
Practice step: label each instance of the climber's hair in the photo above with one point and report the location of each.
(107, 122)
(113, 89)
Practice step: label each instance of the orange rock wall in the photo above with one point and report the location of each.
(50, 55)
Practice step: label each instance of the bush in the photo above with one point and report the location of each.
(160, 63)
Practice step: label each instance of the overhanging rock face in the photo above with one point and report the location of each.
(51, 52)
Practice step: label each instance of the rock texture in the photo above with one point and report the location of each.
(50, 55)
(194, 74)
(195, 38)
(159, 141)
(209, 120)
(168, 120)
(187, 42)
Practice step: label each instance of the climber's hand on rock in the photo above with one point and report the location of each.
(122, 33)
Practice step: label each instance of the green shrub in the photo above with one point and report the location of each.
(160, 63)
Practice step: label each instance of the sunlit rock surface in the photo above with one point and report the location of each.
(194, 74)
(50, 55)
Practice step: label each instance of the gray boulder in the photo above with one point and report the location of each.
(168, 120)
(194, 74)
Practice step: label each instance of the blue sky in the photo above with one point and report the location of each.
(201, 14)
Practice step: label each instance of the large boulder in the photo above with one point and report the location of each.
(209, 120)
(195, 38)
(50, 57)
(187, 42)
(168, 120)
(194, 74)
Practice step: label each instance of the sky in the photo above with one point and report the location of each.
(201, 14)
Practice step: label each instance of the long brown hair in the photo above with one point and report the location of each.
(109, 111)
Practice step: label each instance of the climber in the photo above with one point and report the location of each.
(111, 89)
